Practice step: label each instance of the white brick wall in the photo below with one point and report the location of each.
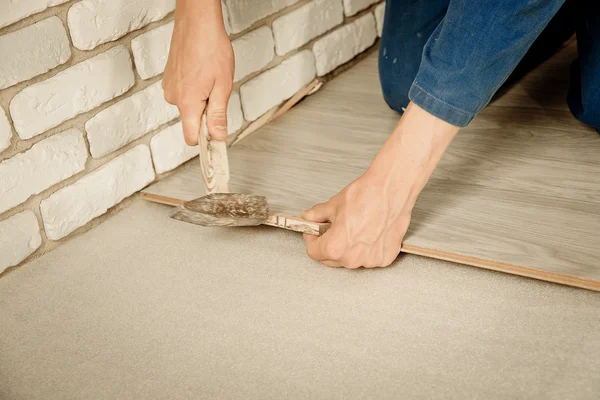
(252, 51)
(19, 238)
(128, 120)
(60, 68)
(379, 15)
(73, 91)
(244, 13)
(277, 84)
(235, 117)
(32, 51)
(15, 10)
(73, 206)
(343, 44)
(151, 50)
(169, 150)
(352, 7)
(46, 163)
(5, 132)
(93, 22)
(300, 26)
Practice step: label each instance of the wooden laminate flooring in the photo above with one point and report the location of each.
(517, 191)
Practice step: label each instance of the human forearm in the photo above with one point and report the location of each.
(404, 164)
(199, 10)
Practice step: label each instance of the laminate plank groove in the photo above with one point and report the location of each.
(517, 191)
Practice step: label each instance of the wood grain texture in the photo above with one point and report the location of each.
(517, 191)
(214, 165)
(224, 209)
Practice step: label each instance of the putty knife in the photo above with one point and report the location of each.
(221, 208)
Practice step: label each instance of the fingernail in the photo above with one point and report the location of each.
(220, 127)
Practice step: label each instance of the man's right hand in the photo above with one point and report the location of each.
(199, 71)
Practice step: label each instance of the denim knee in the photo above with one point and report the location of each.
(406, 29)
(584, 96)
(395, 87)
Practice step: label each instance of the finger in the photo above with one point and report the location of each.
(190, 122)
(216, 111)
(313, 247)
(320, 213)
(331, 263)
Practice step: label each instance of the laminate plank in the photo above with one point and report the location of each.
(517, 191)
(543, 88)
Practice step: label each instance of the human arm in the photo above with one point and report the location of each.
(371, 215)
(472, 51)
(199, 71)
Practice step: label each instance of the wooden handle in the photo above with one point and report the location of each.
(213, 161)
(297, 224)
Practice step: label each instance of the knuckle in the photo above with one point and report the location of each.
(388, 260)
(309, 253)
(350, 192)
(335, 249)
(217, 113)
(352, 261)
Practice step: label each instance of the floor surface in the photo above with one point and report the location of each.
(146, 307)
(517, 190)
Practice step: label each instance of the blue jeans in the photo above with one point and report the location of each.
(451, 56)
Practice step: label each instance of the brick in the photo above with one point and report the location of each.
(235, 118)
(379, 15)
(169, 149)
(252, 51)
(352, 7)
(129, 119)
(73, 206)
(45, 164)
(32, 51)
(93, 22)
(13, 11)
(300, 26)
(344, 43)
(19, 238)
(5, 131)
(280, 83)
(73, 91)
(151, 50)
(243, 13)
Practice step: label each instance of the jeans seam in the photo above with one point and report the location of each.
(465, 113)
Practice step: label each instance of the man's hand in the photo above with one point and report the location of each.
(371, 215)
(199, 71)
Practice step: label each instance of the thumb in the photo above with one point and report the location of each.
(190, 121)
(216, 112)
(320, 213)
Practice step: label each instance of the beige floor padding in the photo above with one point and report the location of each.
(518, 190)
(146, 307)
